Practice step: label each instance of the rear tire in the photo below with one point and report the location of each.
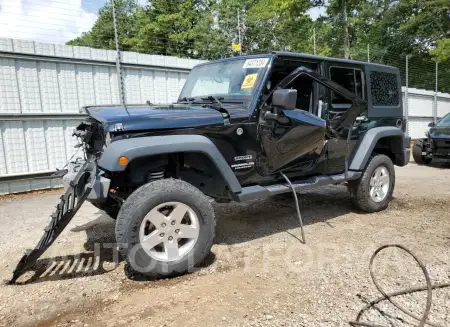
(419, 158)
(150, 236)
(372, 192)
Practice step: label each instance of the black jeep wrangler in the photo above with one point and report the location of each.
(436, 144)
(243, 128)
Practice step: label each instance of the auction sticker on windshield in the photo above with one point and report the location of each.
(249, 81)
(256, 63)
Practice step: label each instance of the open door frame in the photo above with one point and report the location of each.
(336, 128)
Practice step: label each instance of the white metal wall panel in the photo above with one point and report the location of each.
(44, 49)
(56, 147)
(132, 87)
(68, 88)
(443, 106)
(3, 170)
(420, 105)
(6, 45)
(35, 145)
(23, 46)
(28, 86)
(99, 54)
(9, 90)
(173, 88)
(65, 51)
(85, 85)
(14, 147)
(160, 87)
(418, 126)
(102, 86)
(115, 96)
(48, 82)
(81, 52)
(147, 86)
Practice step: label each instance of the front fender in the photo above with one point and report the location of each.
(365, 147)
(133, 148)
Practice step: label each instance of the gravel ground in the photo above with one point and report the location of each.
(258, 274)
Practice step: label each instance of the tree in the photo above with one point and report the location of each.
(102, 33)
(164, 27)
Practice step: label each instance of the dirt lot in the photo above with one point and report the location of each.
(259, 273)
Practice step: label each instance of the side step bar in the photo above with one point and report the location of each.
(257, 191)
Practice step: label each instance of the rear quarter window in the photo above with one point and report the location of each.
(384, 89)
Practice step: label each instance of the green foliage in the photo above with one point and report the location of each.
(102, 33)
(383, 30)
(442, 51)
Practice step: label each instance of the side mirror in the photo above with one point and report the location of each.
(284, 99)
(432, 124)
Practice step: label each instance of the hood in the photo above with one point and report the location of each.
(145, 117)
(440, 132)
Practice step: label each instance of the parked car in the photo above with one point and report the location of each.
(243, 128)
(436, 144)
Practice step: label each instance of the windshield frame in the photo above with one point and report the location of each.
(247, 100)
(447, 123)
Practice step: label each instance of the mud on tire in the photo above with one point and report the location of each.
(134, 211)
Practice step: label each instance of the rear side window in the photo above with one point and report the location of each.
(384, 89)
(349, 78)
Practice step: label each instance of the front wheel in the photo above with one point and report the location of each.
(372, 192)
(419, 157)
(165, 228)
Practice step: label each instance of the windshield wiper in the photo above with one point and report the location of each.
(212, 98)
(186, 100)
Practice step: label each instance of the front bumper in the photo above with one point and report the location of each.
(76, 192)
(100, 184)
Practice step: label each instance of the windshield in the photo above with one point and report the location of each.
(444, 122)
(233, 79)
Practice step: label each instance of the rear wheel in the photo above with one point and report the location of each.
(372, 192)
(165, 228)
(418, 150)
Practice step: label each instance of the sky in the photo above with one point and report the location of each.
(56, 21)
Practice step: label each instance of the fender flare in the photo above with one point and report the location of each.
(133, 148)
(367, 144)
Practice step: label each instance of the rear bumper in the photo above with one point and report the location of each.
(100, 185)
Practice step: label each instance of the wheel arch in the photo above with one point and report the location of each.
(151, 146)
(389, 141)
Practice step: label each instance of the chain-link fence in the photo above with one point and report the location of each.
(59, 55)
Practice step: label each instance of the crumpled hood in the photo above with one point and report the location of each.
(145, 117)
(440, 132)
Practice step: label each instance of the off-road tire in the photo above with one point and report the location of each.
(417, 153)
(359, 189)
(135, 208)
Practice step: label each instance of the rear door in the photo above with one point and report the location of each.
(352, 78)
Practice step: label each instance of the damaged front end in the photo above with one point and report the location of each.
(82, 181)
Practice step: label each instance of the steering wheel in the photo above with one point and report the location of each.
(218, 79)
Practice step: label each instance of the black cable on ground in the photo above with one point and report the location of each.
(423, 320)
(296, 206)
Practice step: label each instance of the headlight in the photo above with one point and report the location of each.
(108, 139)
